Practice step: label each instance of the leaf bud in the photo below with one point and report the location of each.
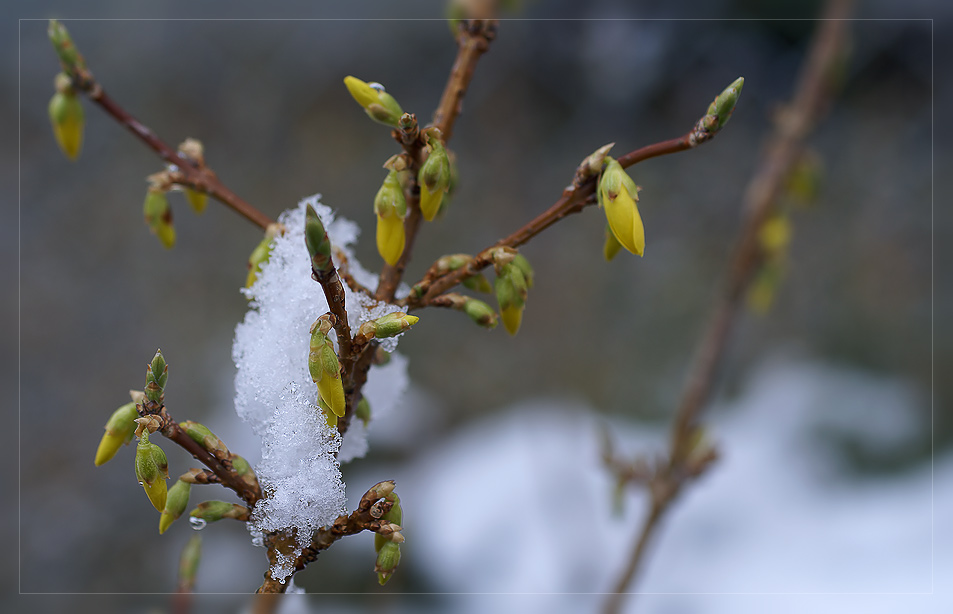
(319, 246)
(189, 563)
(389, 325)
(205, 438)
(213, 511)
(723, 105)
(157, 374)
(63, 44)
(481, 313)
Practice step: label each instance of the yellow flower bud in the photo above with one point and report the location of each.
(390, 207)
(618, 195)
(158, 215)
(434, 180)
(378, 104)
(119, 431)
(326, 372)
(66, 117)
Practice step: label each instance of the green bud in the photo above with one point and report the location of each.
(363, 411)
(175, 503)
(66, 117)
(481, 313)
(157, 374)
(241, 466)
(390, 206)
(158, 216)
(387, 560)
(119, 431)
(259, 256)
(319, 246)
(434, 179)
(205, 438)
(724, 104)
(69, 56)
(152, 469)
(510, 286)
(213, 511)
(325, 370)
(389, 325)
(189, 563)
(520, 262)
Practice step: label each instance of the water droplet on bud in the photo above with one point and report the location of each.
(197, 523)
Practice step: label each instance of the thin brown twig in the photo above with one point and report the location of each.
(785, 145)
(203, 180)
(473, 41)
(171, 430)
(577, 196)
(361, 519)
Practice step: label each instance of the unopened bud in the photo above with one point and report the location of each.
(377, 103)
(510, 286)
(723, 105)
(619, 195)
(205, 438)
(189, 563)
(213, 511)
(390, 206)
(158, 216)
(66, 117)
(319, 246)
(363, 411)
(387, 560)
(389, 325)
(592, 164)
(434, 179)
(157, 374)
(119, 431)
(260, 255)
(175, 503)
(152, 470)
(63, 44)
(481, 313)
(325, 371)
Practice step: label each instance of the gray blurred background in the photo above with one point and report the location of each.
(98, 293)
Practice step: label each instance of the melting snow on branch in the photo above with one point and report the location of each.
(274, 392)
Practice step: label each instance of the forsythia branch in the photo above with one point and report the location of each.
(784, 146)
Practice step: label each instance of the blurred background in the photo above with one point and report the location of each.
(828, 418)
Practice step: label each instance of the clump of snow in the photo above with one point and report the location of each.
(274, 392)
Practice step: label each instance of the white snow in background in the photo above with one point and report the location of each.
(273, 388)
(778, 513)
(385, 387)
